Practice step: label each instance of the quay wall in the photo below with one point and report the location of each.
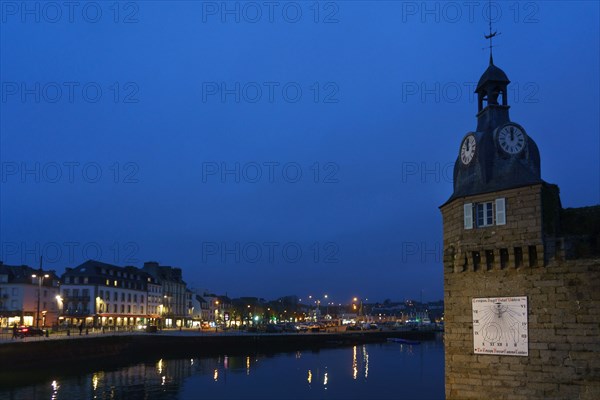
(67, 352)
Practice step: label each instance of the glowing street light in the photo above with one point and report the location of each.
(59, 306)
(354, 306)
(40, 279)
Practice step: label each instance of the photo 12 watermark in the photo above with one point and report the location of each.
(271, 252)
(457, 92)
(69, 253)
(69, 92)
(453, 12)
(69, 172)
(271, 12)
(270, 172)
(427, 172)
(420, 252)
(71, 12)
(270, 92)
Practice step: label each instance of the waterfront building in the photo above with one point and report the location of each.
(521, 273)
(155, 300)
(175, 306)
(189, 321)
(101, 294)
(217, 307)
(28, 296)
(199, 310)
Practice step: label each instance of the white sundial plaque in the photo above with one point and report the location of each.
(500, 326)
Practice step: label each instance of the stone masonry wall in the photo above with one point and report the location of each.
(564, 333)
(563, 301)
(523, 229)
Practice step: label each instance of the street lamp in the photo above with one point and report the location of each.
(40, 279)
(99, 310)
(360, 309)
(161, 314)
(165, 310)
(59, 304)
(217, 312)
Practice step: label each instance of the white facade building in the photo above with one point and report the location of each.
(19, 288)
(100, 294)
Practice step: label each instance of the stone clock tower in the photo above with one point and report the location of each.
(494, 216)
(521, 274)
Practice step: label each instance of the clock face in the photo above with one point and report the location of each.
(467, 149)
(511, 139)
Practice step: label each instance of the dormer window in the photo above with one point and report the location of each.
(484, 214)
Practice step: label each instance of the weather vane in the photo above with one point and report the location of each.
(492, 34)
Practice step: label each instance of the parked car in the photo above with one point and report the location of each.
(354, 328)
(272, 328)
(23, 331)
(290, 327)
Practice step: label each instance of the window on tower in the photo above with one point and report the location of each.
(485, 214)
(480, 215)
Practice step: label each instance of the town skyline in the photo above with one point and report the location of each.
(306, 297)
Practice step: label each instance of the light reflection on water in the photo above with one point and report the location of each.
(386, 370)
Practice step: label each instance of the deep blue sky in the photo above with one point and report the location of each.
(388, 110)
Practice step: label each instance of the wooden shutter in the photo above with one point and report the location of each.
(500, 211)
(468, 215)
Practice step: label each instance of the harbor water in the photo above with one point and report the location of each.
(378, 371)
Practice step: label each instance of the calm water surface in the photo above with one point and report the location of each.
(372, 371)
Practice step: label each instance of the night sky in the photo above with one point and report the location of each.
(291, 148)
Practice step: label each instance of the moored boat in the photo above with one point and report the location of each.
(403, 341)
